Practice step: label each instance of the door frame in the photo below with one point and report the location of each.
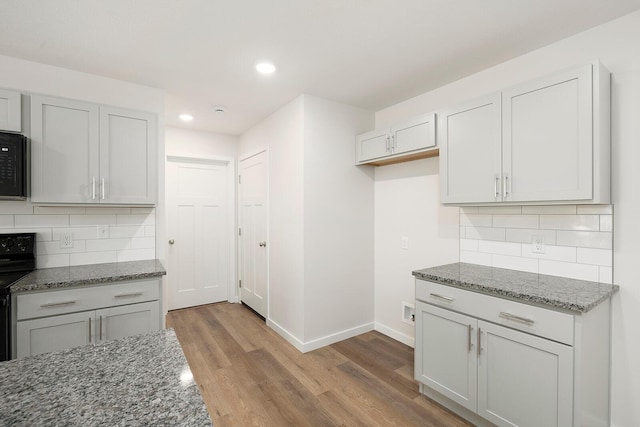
(241, 158)
(232, 226)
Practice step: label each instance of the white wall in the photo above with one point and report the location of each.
(133, 231)
(338, 222)
(282, 134)
(198, 144)
(616, 45)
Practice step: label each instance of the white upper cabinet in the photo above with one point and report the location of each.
(127, 156)
(545, 141)
(470, 151)
(408, 140)
(10, 111)
(87, 153)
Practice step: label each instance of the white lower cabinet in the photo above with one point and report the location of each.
(118, 310)
(509, 371)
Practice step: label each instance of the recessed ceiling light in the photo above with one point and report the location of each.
(186, 117)
(266, 68)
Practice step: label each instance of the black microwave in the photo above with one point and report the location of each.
(13, 166)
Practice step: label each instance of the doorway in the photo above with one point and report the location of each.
(200, 228)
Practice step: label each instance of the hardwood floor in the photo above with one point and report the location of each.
(249, 376)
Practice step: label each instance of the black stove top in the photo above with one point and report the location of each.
(17, 258)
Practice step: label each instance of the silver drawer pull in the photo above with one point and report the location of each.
(442, 297)
(57, 304)
(132, 294)
(515, 318)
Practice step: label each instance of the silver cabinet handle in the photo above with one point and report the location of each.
(57, 304)
(442, 297)
(171, 242)
(100, 328)
(505, 190)
(388, 147)
(469, 338)
(89, 329)
(478, 344)
(102, 188)
(496, 181)
(262, 244)
(515, 318)
(393, 142)
(132, 294)
(93, 188)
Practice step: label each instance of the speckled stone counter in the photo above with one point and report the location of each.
(139, 380)
(82, 275)
(552, 291)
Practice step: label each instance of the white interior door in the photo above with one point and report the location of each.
(253, 232)
(199, 241)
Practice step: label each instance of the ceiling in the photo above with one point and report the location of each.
(367, 53)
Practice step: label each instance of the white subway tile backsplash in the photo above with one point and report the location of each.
(143, 243)
(78, 232)
(6, 221)
(93, 258)
(475, 258)
(595, 209)
(468, 245)
(108, 211)
(142, 211)
(42, 234)
(570, 222)
(550, 210)
(515, 263)
(515, 221)
(53, 247)
(500, 248)
(135, 254)
(101, 245)
(485, 233)
(463, 232)
(569, 269)
(136, 219)
(606, 275)
(150, 230)
(15, 207)
(606, 222)
(49, 261)
(475, 220)
(116, 232)
(38, 221)
(554, 253)
(585, 239)
(504, 210)
(602, 257)
(469, 210)
(58, 210)
(525, 235)
(80, 220)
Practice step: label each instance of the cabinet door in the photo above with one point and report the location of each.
(548, 138)
(54, 333)
(524, 380)
(126, 320)
(469, 137)
(10, 110)
(412, 135)
(128, 141)
(445, 353)
(372, 145)
(64, 150)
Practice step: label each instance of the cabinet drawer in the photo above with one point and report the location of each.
(535, 320)
(51, 303)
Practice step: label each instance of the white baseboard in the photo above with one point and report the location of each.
(305, 347)
(396, 335)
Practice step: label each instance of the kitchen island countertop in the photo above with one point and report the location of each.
(138, 380)
(83, 275)
(551, 291)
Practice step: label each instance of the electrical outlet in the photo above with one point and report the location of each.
(538, 245)
(404, 242)
(408, 313)
(103, 231)
(66, 240)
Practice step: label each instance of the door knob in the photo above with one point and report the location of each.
(171, 242)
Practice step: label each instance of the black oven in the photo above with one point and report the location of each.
(17, 259)
(13, 166)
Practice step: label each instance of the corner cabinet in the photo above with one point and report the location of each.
(60, 319)
(500, 362)
(10, 110)
(409, 140)
(83, 153)
(545, 141)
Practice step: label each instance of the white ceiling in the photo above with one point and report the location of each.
(368, 53)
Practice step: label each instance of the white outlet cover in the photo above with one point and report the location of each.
(537, 245)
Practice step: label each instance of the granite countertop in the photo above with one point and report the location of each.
(138, 380)
(82, 275)
(552, 291)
